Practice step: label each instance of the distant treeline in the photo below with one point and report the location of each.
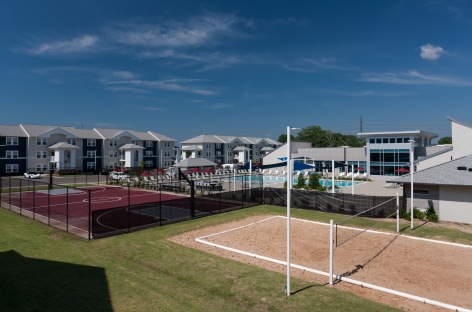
(324, 138)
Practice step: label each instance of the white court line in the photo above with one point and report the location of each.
(342, 278)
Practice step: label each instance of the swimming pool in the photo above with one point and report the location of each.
(281, 179)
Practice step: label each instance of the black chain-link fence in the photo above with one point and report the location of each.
(89, 209)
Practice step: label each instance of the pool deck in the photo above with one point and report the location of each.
(375, 188)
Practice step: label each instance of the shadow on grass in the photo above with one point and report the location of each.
(307, 287)
(29, 284)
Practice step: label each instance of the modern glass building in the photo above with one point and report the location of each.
(388, 153)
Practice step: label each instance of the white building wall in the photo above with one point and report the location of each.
(455, 204)
(435, 161)
(461, 137)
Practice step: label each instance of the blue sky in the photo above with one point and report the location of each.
(244, 68)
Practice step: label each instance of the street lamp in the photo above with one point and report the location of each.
(289, 189)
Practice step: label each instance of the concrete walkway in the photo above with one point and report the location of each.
(376, 187)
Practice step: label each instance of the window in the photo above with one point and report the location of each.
(148, 163)
(392, 140)
(371, 141)
(41, 154)
(166, 153)
(41, 167)
(218, 153)
(208, 154)
(71, 141)
(91, 142)
(167, 163)
(12, 154)
(135, 142)
(208, 146)
(112, 165)
(399, 140)
(230, 154)
(41, 141)
(12, 141)
(113, 154)
(218, 145)
(91, 153)
(90, 165)
(149, 144)
(166, 144)
(405, 140)
(420, 192)
(11, 168)
(113, 143)
(378, 141)
(148, 153)
(385, 140)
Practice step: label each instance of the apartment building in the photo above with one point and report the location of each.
(42, 147)
(228, 149)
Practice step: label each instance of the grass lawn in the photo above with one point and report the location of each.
(44, 269)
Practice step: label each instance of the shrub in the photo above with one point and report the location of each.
(314, 181)
(431, 215)
(301, 181)
(417, 214)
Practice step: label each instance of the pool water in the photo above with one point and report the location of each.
(281, 179)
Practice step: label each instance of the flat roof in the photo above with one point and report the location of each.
(417, 133)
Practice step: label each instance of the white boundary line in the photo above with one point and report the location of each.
(348, 280)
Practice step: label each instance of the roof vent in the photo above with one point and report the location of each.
(462, 168)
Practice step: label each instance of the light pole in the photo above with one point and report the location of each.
(412, 170)
(289, 189)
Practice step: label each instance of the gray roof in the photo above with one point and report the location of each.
(267, 149)
(191, 148)
(459, 122)
(241, 148)
(444, 174)
(130, 146)
(112, 134)
(63, 145)
(206, 138)
(161, 137)
(12, 131)
(70, 132)
(195, 162)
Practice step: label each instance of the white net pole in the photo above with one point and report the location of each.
(331, 251)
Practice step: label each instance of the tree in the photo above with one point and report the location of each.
(445, 140)
(314, 181)
(325, 138)
(301, 181)
(283, 138)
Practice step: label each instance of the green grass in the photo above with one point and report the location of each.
(44, 269)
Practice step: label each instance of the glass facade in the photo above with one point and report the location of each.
(388, 161)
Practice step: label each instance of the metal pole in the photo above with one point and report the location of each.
(352, 178)
(332, 176)
(412, 170)
(331, 251)
(89, 214)
(289, 170)
(398, 213)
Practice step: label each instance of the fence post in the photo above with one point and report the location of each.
(9, 193)
(49, 205)
(129, 208)
(89, 214)
(67, 209)
(21, 196)
(34, 200)
(192, 199)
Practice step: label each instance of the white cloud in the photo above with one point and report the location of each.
(218, 106)
(197, 31)
(170, 85)
(128, 89)
(431, 52)
(80, 44)
(414, 78)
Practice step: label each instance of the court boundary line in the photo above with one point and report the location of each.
(338, 277)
